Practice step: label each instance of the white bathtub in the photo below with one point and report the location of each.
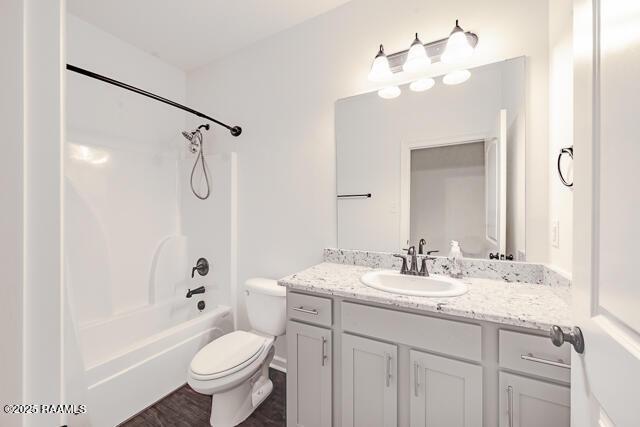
(135, 359)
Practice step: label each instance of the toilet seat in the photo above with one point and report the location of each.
(227, 355)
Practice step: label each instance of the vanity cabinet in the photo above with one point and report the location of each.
(357, 364)
(309, 375)
(525, 402)
(444, 392)
(369, 382)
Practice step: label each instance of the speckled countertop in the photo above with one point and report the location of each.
(526, 305)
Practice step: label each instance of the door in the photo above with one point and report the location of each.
(444, 392)
(369, 383)
(495, 153)
(525, 402)
(308, 376)
(606, 288)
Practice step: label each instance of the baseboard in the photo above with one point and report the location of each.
(279, 364)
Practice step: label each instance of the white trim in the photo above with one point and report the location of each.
(405, 173)
(279, 364)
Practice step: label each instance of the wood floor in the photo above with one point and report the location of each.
(186, 408)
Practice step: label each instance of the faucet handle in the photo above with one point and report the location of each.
(411, 250)
(429, 254)
(403, 269)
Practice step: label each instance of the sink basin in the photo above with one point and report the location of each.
(420, 286)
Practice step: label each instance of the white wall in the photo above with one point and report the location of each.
(282, 91)
(448, 198)
(560, 127)
(11, 222)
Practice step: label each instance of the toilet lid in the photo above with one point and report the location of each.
(227, 352)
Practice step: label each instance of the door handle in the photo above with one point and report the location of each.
(510, 405)
(416, 379)
(574, 337)
(324, 350)
(388, 370)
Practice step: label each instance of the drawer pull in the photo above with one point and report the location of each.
(301, 309)
(532, 358)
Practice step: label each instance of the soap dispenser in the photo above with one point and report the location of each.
(455, 259)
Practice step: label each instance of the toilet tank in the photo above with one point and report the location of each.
(266, 306)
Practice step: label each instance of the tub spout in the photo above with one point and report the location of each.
(191, 293)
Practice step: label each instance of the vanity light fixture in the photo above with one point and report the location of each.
(417, 59)
(456, 77)
(458, 48)
(421, 85)
(389, 92)
(380, 71)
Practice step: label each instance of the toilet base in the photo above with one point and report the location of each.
(231, 407)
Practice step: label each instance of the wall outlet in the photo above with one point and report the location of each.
(555, 234)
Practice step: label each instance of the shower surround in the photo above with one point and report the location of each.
(133, 230)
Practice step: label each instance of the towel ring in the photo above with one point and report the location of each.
(563, 151)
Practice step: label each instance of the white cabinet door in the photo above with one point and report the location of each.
(444, 392)
(525, 402)
(308, 376)
(369, 383)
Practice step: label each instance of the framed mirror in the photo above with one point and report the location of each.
(446, 164)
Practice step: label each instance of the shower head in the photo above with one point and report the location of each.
(190, 135)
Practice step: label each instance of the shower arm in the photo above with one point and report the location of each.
(235, 130)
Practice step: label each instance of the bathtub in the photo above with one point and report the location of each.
(135, 359)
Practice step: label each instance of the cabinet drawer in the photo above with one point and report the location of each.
(534, 355)
(309, 308)
(458, 339)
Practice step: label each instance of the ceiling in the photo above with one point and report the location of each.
(191, 33)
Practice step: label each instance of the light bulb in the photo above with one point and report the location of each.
(421, 85)
(389, 92)
(458, 48)
(456, 77)
(380, 70)
(417, 58)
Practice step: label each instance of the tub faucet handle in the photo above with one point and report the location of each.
(202, 267)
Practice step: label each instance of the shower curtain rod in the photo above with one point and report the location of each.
(235, 130)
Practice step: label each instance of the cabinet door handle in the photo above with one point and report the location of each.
(531, 358)
(510, 405)
(416, 379)
(301, 309)
(388, 369)
(324, 350)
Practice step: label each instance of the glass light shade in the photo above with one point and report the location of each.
(380, 71)
(456, 77)
(417, 58)
(389, 92)
(458, 48)
(421, 85)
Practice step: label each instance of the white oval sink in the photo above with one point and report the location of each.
(420, 286)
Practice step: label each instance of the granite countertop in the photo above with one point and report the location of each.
(533, 306)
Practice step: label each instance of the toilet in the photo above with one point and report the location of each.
(234, 368)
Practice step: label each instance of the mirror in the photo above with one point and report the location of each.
(444, 164)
